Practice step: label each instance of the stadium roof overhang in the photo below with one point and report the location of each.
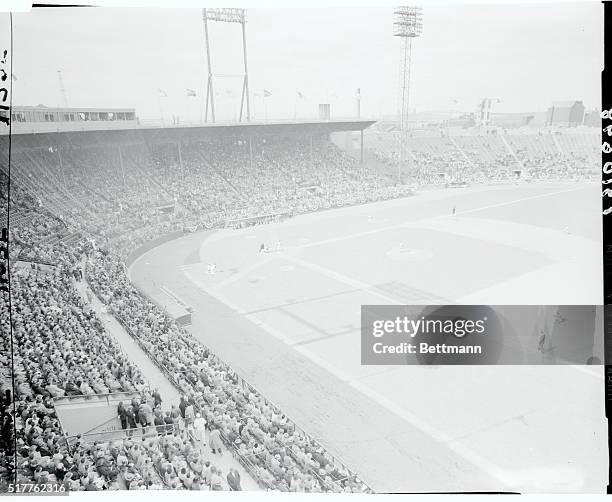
(138, 133)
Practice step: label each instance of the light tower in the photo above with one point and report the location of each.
(407, 24)
(62, 89)
(226, 16)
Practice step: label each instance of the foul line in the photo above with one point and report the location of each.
(431, 218)
(474, 458)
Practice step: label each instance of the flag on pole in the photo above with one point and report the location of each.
(267, 93)
(162, 93)
(191, 92)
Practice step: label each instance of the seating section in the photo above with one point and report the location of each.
(83, 209)
(124, 194)
(477, 158)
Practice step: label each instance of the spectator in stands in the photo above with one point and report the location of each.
(233, 480)
(131, 418)
(199, 428)
(122, 414)
(215, 440)
(157, 398)
(216, 479)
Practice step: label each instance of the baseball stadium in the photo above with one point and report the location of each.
(185, 301)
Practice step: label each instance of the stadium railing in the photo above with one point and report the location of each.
(108, 398)
(257, 220)
(107, 436)
(245, 384)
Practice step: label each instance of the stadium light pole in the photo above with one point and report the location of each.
(209, 86)
(226, 16)
(407, 24)
(62, 89)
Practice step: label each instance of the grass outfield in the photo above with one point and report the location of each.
(289, 322)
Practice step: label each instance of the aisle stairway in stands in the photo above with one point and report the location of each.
(156, 379)
(210, 165)
(511, 151)
(463, 154)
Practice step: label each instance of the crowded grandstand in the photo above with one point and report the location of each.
(82, 203)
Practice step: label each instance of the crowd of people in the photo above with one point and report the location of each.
(227, 180)
(125, 194)
(75, 215)
(485, 158)
(267, 442)
(60, 348)
(57, 348)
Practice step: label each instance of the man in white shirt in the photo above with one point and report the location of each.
(199, 425)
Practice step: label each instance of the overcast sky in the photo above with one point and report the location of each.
(526, 55)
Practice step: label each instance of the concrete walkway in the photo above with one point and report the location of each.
(170, 395)
(156, 379)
